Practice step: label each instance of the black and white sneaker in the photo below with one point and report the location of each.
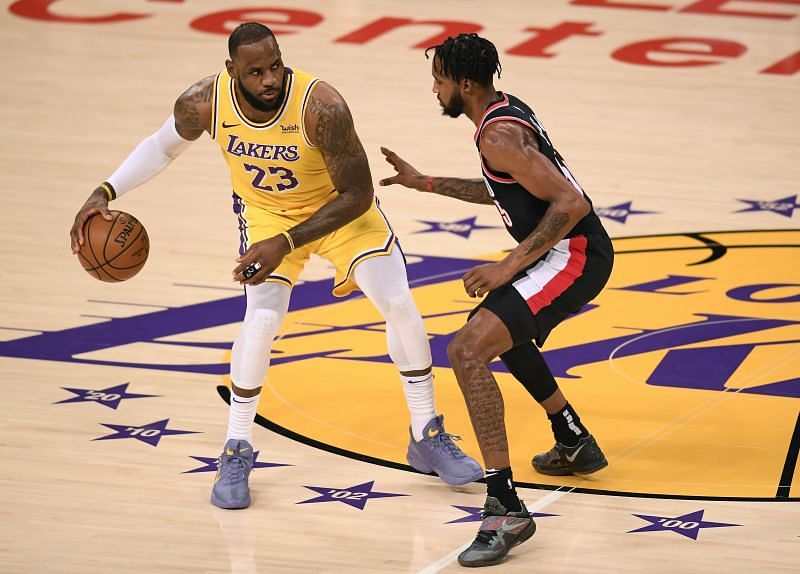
(561, 460)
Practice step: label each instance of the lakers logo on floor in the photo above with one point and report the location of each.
(685, 368)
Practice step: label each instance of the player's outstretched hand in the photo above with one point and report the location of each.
(406, 174)
(97, 203)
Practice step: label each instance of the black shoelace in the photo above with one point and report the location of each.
(485, 537)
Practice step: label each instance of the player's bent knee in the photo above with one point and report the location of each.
(402, 309)
(465, 347)
(263, 325)
(459, 349)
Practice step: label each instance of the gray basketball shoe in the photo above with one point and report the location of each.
(561, 460)
(230, 485)
(499, 532)
(437, 452)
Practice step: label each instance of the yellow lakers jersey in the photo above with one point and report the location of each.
(273, 164)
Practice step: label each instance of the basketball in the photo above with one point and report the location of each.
(115, 250)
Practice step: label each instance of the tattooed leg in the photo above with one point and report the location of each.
(484, 338)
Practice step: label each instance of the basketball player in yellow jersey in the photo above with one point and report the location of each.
(301, 185)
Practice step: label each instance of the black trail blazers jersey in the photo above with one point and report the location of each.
(521, 211)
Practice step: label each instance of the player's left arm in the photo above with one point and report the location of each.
(329, 126)
(512, 148)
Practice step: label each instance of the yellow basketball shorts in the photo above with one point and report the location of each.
(369, 235)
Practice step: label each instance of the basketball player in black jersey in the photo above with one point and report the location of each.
(563, 260)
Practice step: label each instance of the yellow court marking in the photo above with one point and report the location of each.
(675, 367)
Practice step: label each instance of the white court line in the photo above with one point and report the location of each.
(668, 428)
(703, 407)
(543, 502)
(287, 329)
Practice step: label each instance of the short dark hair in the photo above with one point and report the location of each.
(247, 33)
(467, 56)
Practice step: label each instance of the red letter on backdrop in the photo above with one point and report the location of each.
(546, 37)
(40, 10)
(713, 7)
(785, 67)
(384, 25)
(630, 6)
(275, 18)
(639, 53)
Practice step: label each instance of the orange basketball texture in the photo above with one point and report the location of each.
(115, 250)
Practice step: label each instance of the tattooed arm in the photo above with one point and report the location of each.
(193, 110)
(329, 126)
(469, 190)
(511, 148)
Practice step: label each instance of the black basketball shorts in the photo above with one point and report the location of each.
(556, 286)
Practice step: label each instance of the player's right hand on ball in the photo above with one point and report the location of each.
(406, 174)
(97, 203)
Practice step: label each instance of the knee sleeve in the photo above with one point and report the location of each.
(528, 366)
(383, 280)
(269, 296)
(405, 333)
(251, 350)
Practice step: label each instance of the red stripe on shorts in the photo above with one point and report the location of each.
(565, 278)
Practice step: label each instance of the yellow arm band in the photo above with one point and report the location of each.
(289, 239)
(109, 189)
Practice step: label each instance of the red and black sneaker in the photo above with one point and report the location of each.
(499, 532)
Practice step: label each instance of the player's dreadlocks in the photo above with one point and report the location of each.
(247, 33)
(467, 56)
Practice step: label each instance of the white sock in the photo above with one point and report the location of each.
(419, 397)
(240, 417)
